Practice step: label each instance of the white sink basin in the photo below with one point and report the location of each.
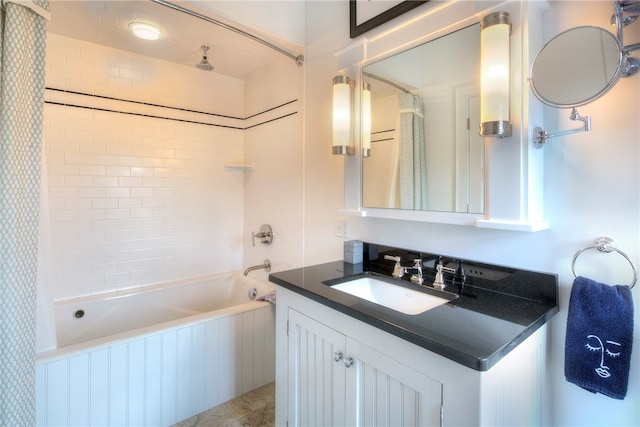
(392, 296)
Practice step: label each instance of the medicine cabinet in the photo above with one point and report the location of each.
(510, 171)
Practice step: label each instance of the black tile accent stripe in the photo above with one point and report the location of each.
(270, 120)
(172, 108)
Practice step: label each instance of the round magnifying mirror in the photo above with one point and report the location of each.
(576, 67)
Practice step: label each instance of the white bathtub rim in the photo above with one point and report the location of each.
(146, 331)
(157, 287)
(127, 335)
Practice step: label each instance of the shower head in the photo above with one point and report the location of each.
(204, 63)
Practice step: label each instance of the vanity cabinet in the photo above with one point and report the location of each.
(335, 380)
(390, 381)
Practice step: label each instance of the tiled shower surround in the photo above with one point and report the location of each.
(128, 210)
(137, 200)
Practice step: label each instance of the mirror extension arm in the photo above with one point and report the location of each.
(542, 136)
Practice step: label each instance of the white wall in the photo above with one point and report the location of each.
(591, 189)
(323, 172)
(274, 188)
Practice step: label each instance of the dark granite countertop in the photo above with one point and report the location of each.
(497, 309)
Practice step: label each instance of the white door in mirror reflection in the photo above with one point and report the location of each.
(474, 164)
(469, 155)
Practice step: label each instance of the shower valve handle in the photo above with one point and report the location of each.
(265, 235)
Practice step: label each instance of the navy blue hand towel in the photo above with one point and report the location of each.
(599, 337)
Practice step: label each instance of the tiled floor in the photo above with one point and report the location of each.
(255, 409)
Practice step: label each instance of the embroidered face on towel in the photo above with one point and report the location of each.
(599, 337)
(604, 350)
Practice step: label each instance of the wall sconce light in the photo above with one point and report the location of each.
(366, 119)
(342, 116)
(495, 32)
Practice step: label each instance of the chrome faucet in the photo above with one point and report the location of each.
(459, 276)
(399, 270)
(266, 265)
(417, 276)
(438, 283)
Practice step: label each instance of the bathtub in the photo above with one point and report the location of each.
(156, 356)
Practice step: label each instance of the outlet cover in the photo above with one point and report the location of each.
(343, 227)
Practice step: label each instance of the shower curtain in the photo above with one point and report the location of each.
(23, 26)
(412, 168)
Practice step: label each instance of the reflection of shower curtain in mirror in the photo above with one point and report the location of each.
(412, 165)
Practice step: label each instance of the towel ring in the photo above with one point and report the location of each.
(605, 244)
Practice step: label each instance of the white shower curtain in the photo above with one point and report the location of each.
(412, 170)
(23, 26)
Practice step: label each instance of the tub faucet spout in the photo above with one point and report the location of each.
(266, 265)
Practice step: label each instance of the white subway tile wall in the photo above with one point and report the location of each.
(136, 200)
(274, 189)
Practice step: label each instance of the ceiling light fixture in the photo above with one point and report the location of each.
(145, 31)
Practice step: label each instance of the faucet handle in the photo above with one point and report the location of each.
(398, 270)
(438, 283)
(417, 277)
(265, 235)
(460, 277)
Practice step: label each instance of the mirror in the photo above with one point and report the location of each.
(577, 67)
(426, 152)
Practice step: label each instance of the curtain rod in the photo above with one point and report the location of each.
(299, 59)
(389, 82)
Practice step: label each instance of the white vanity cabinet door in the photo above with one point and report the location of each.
(316, 380)
(388, 393)
(392, 382)
(334, 380)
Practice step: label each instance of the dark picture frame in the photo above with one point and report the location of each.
(356, 29)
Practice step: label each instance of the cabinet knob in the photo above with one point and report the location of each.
(348, 362)
(337, 356)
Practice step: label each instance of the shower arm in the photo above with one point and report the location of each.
(299, 59)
